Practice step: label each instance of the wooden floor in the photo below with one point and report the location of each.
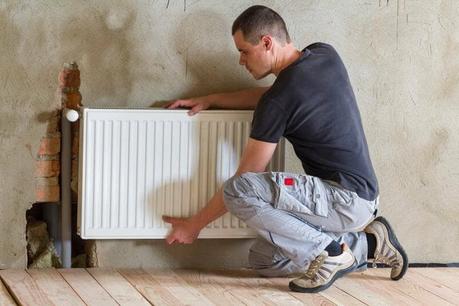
(439, 286)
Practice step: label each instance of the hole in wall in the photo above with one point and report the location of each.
(44, 244)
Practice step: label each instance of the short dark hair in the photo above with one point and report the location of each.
(259, 20)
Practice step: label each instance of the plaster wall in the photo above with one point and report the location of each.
(401, 57)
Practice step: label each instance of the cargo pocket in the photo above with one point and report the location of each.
(296, 197)
(320, 197)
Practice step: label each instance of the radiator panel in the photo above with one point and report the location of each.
(139, 164)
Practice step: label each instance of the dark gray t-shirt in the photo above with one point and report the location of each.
(312, 104)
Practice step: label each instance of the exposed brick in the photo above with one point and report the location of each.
(45, 193)
(55, 134)
(49, 146)
(70, 77)
(74, 179)
(71, 100)
(75, 144)
(49, 157)
(46, 181)
(47, 168)
(74, 168)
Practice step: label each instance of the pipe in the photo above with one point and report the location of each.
(69, 115)
(51, 215)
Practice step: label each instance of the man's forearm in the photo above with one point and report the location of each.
(243, 99)
(214, 209)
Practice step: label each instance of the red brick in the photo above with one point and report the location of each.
(49, 146)
(71, 100)
(69, 78)
(47, 168)
(75, 144)
(45, 193)
(75, 168)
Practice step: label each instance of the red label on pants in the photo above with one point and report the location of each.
(288, 181)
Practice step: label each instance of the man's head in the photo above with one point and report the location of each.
(256, 32)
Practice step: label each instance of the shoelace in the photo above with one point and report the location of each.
(314, 266)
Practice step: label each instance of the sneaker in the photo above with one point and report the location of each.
(388, 249)
(323, 271)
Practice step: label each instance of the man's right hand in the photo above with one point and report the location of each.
(196, 104)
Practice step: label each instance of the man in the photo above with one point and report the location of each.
(309, 224)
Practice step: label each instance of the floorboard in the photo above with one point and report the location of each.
(251, 289)
(149, 287)
(5, 297)
(118, 287)
(205, 282)
(410, 287)
(448, 277)
(433, 286)
(87, 288)
(374, 289)
(23, 288)
(420, 286)
(56, 289)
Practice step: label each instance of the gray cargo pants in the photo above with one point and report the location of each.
(296, 216)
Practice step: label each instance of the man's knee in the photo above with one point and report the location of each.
(236, 194)
(230, 191)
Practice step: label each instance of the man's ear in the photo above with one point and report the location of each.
(267, 42)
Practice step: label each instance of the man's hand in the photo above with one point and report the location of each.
(243, 99)
(196, 104)
(184, 230)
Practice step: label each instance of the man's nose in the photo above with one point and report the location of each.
(241, 61)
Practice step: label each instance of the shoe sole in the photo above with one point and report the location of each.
(393, 239)
(338, 274)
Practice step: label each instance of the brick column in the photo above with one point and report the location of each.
(47, 168)
(69, 84)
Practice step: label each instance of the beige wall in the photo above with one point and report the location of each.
(401, 56)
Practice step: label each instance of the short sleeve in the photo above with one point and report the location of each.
(269, 122)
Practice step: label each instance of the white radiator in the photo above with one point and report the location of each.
(139, 164)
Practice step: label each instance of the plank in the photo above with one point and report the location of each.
(57, 290)
(409, 287)
(373, 289)
(151, 289)
(5, 297)
(117, 286)
(23, 288)
(204, 282)
(267, 291)
(178, 287)
(448, 277)
(340, 297)
(432, 286)
(89, 290)
(304, 298)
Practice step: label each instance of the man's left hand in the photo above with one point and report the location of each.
(184, 230)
